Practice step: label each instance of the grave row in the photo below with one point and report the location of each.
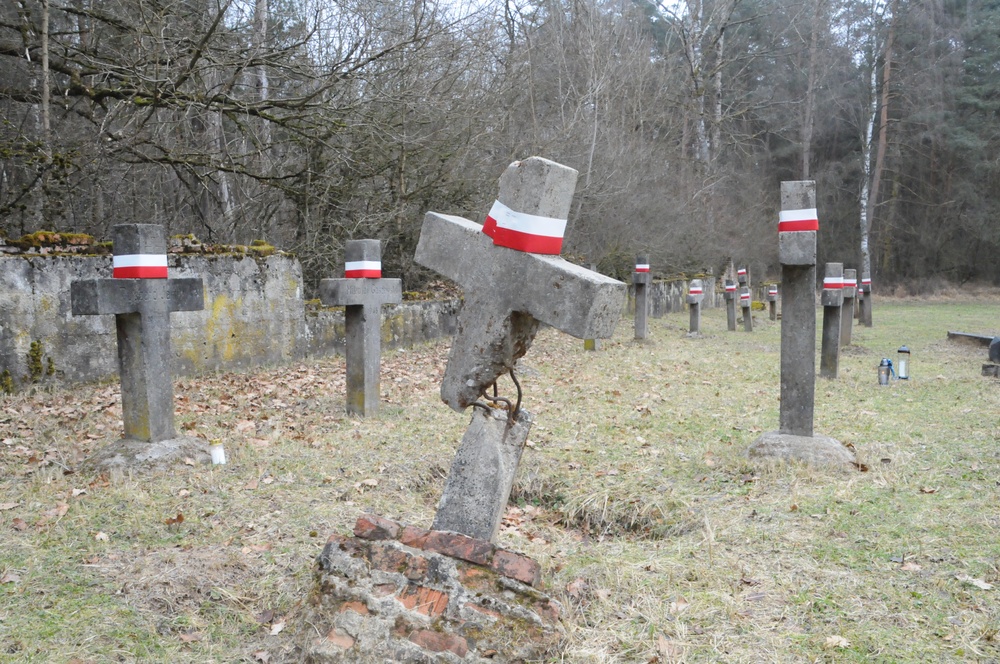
(514, 281)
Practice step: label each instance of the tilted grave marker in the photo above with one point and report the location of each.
(847, 311)
(640, 281)
(730, 296)
(514, 281)
(141, 297)
(772, 301)
(798, 223)
(696, 293)
(362, 292)
(832, 300)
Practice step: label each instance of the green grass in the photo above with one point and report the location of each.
(661, 539)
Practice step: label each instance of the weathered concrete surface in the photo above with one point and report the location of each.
(995, 350)
(508, 294)
(482, 474)
(817, 450)
(142, 308)
(363, 299)
(832, 300)
(667, 297)
(161, 455)
(847, 311)
(696, 293)
(865, 309)
(771, 296)
(640, 284)
(798, 318)
(730, 295)
(746, 305)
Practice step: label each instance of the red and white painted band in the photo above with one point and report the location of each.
(866, 282)
(745, 296)
(694, 291)
(524, 232)
(793, 221)
(363, 269)
(642, 267)
(773, 290)
(139, 266)
(730, 289)
(833, 283)
(742, 271)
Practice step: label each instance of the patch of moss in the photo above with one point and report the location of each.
(39, 365)
(52, 238)
(6, 382)
(261, 248)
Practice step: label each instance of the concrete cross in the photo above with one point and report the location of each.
(696, 293)
(865, 300)
(510, 292)
(730, 295)
(847, 312)
(362, 292)
(833, 301)
(592, 344)
(746, 304)
(742, 276)
(641, 281)
(772, 301)
(141, 297)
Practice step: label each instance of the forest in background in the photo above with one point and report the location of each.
(306, 123)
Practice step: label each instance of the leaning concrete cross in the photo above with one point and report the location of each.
(730, 295)
(514, 281)
(141, 297)
(640, 280)
(362, 292)
(772, 301)
(696, 292)
(847, 311)
(746, 304)
(833, 301)
(798, 224)
(592, 344)
(865, 301)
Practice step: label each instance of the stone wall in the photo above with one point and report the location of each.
(667, 297)
(254, 315)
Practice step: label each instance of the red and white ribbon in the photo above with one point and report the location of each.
(772, 290)
(833, 283)
(794, 221)
(642, 267)
(694, 290)
(363, 269)
(866, 282)
(139, 266)
(524, 232)
(745, 297)
(742, 272)
(730, 288)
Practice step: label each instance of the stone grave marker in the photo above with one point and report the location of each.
(640, 281)
(772, 301)
(798, 223)
(865, 301)
(746, 305)
(742, 276)
(696, 293)
(514, 281)
(362, 292)
(832, 300)
(847, 311)
(592, 344)
(141, 298)
(730, 296)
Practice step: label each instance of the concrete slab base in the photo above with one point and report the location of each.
(129, 454)
(816, 450)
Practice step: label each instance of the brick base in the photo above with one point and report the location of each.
(397, 593)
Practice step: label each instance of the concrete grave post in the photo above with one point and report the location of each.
(832, 300)
(514, 281)
(772, 301)
(362, 292)
(640, 281)
(592, 344)
(865, 301)
(746, 305)
(696, 292)
(798, 224)
(730, 296)
(743, 277)
(141, 297)
(847, 311)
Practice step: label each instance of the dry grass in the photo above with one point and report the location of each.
(662, 540)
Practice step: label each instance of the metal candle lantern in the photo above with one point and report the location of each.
(903, 363)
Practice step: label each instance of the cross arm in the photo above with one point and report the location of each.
(126, 296)
(348, 292)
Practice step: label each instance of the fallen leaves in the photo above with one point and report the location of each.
(175, 520)
(836, 642)
(10, 577)
(929, 489)
(977, 583)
